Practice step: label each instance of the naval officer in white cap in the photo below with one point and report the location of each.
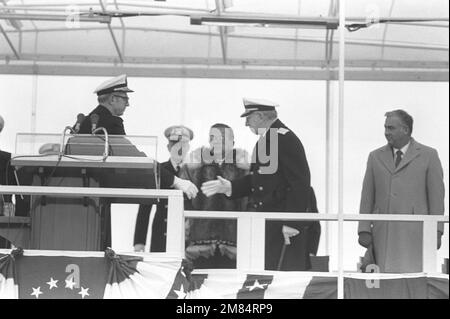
(178, 145)
(279, 182)
(113, 100)
(112, 96)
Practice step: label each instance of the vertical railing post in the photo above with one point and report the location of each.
(244, 243)
(175, 222)
(258, 242)
(429, 246)
(340, 292)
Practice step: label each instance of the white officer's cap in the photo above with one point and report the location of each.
(178, 133)
(117, 84)
(251, 105)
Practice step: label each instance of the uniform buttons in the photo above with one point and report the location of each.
(259, 171)
(255, 205)
(165, 206)
(165, 234)
(261, 188)
(260, 203)
(165, 220)
(251, 173)
(252, 189)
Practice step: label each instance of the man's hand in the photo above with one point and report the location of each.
(139, 247)
(289, 232)
(365, 239)
(186, 186)
(220, 185)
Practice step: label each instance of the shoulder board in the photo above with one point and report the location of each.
(283, 130)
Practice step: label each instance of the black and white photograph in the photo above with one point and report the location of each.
(219, 150)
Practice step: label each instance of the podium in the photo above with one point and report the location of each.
(82, 224)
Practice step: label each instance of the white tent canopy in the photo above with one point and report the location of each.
(290, 39)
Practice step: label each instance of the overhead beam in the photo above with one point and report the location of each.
(233, 62)
(264, 21)
(11, 45)
(61, 6)
(226, 73)
(111, 32)
(392, 44)
(53, 17)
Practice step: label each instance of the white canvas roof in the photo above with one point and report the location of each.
(282, 39)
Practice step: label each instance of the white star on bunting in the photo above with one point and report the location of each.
(180, 293)
(84, 292)
(256, 285)
(52, 283)
(36, 292)
(70, 283)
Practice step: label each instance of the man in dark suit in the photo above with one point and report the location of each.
(279, 182)
(179, 137)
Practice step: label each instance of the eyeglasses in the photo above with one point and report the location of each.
(126, 98)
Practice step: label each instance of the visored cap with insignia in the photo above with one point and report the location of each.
(117, 84)
(177, 133)
(252, 105)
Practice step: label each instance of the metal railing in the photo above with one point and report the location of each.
(175, 242)
(250, 225)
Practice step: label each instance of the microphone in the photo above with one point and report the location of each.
(94, 121)
(80, 119)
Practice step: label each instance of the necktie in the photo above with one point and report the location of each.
(398, 158)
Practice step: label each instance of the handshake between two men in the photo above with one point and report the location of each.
(220, 185)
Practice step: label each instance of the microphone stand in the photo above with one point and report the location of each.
(61, 147)
(105, 132)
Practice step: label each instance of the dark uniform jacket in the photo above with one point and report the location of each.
(112, 124)
(159, 227)
(287, 189)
